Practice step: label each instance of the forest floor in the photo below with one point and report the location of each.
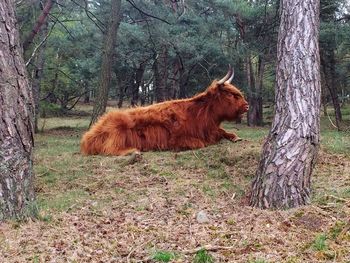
(144, 209)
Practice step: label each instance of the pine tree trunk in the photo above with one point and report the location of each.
(289, 154)
(121, 95)
(37, 77)
(160, 69)
(323, 96)
(16, 122)
(255, 113)
(87, 92)
(330, 83)
(107, 61)
(136, 84)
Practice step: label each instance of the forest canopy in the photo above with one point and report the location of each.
(171, 49)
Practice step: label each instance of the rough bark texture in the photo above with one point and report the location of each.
(107, 61)
(16, 116)
(289, 153)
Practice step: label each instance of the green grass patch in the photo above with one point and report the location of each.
(62, 201)
(163, 256)
(259, 260)
(336, 142)
(336, 229)
(320, 243)
(202, 256)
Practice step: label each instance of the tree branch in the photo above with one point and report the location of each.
(100, 25)
(146, 14)
(41, 20)
(40, 44)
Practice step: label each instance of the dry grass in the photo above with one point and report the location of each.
(118, 209)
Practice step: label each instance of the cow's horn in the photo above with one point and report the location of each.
(231, 78)
(222, 81)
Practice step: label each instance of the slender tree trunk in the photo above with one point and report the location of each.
(331, 86)
(121, 93)
(324, 96)
(39, 23)
(289, 153)
(51, 97)
(107, 61)
(37, 77)
(255, 113)
(135, 90)
(143, 93)
(182, 83)
(87, 92)
(160, 69)
(16, 122)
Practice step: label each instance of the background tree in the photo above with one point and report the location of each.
(333, 38)
(171, 49)
(107, 60)
(289, 153)
(16, 122)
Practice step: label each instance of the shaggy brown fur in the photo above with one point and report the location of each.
(172, 125)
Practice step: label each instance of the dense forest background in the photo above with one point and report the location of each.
(168, 49)
(201, 205)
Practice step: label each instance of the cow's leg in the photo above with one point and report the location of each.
(229, 136)
(186, 143)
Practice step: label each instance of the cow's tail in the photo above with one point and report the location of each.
(111, 135)
(92, 142)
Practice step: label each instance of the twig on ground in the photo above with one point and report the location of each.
(207, 248)
(332, 123)
(195, 155)
(42, 174)
(322, 212)
(135, 248)
(52, 169)
(338, 198)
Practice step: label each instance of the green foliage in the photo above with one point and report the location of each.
(48, 109)
(202, 256)
(200, 39)
(336, 229)
(319, 243)
(163, 256)
(259, 260)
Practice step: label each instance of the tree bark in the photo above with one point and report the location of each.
(328, 68)
(136, 84)
(255, 113)
(37, 77)
(39, 23)
(121, 94)
(289, 153)
(160, 69)
(87, 92)
(107, 61)
(16, 122)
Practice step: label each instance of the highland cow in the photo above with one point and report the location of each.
(171, 125)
